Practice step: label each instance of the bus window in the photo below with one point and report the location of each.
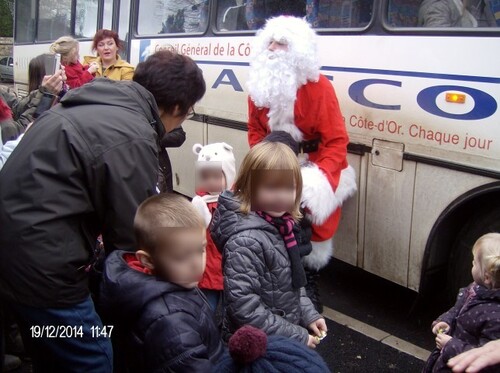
(54, 19)
(403, 13)
(444, 13)
(25, 21)
(107, 15)
(252, 14)
(123, 27)
(172, 16)
(86, 18)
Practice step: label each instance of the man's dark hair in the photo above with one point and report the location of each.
(173, 79)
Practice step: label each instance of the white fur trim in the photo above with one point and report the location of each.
(320, 255)
(318, 195)
(303, 159)
(202, 208)
(347, 184)
(301, 39)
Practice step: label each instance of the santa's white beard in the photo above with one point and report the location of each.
(273, 83)
(272, 79)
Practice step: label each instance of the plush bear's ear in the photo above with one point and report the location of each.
(197, 148)
(227, 147)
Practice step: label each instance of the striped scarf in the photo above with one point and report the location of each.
(285, 225)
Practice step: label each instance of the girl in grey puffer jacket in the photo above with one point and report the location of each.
(263, 275)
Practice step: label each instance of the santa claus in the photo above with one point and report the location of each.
(288, 93)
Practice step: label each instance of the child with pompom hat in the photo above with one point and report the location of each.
(252, 351)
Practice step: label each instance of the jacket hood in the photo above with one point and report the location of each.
(128, 290)
(125, 94)
(228, 220)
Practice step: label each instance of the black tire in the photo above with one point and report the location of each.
(485, 219)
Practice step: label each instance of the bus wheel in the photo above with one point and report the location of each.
(485, 219)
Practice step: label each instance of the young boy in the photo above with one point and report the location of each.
(162, 320)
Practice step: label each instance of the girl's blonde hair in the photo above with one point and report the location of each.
(64, 46)
(487, 249)
(267, 156)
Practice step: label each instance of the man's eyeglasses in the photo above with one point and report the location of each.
(191, 114)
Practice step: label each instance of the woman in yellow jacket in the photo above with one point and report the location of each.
(109, 63)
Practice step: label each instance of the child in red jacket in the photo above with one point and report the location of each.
(77, 74)
(216, 171)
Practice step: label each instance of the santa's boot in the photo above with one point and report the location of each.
(312, 288)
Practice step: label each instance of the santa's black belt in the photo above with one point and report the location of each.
(310, 146)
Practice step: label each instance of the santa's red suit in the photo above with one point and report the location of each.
(313, 114)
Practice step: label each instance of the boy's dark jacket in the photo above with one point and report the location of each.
(474, 326)
(161, 327)
(257, 275)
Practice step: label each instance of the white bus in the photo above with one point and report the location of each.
(420, 105)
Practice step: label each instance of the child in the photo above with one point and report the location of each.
(216, 170)
(163, 322)
(263, 274)
(76, 74)
(475, 318)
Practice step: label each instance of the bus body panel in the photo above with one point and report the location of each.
(389, 87)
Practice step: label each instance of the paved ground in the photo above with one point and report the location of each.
(347, 351)
(379, 303)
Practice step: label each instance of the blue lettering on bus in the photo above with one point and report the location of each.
(231, 80)
(357, 93)
(484, 105)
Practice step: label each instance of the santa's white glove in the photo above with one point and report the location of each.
(202, 207)
(318, 197)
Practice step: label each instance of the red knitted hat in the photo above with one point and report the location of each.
(247, 344)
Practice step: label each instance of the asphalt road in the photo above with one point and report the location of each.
(379, 303)
(347, 351)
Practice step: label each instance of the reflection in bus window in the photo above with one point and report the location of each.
(107, 15)
(172, 16)
(54, 19)
(252, 14)
(25, 21)
(339, 13)
(257, 11)
(123, 27)
(459, 13)
(86, 18)
(403, 13)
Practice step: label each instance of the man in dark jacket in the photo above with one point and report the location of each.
(81, 170)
